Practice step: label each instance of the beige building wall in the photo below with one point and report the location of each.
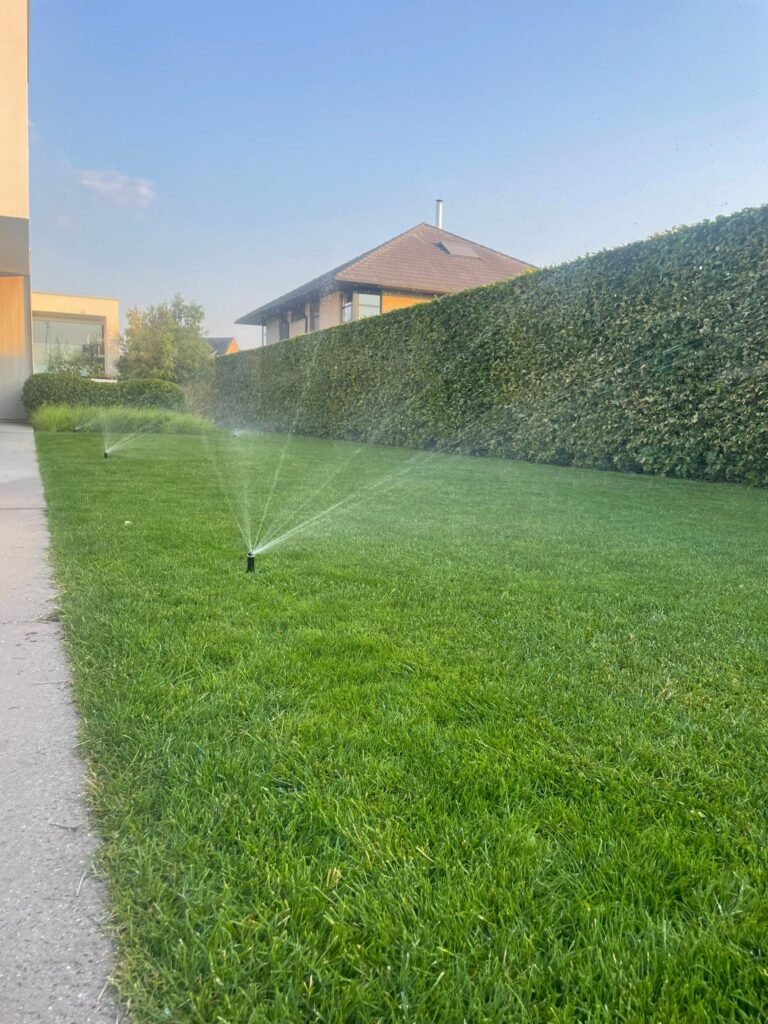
(50, 305)
(300, 326)
(330, 310)
(15, 321)
(14, 145)
(272, 333)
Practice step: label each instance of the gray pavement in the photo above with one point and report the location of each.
(55, 957)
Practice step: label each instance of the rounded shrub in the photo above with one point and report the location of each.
(71, 389)
(59, 389)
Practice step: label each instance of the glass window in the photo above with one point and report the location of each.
(68, 345)
(314, 316)
(346, 308)
(368, 305)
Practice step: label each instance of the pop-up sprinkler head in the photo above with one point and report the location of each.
(250, 564)
(106, 455)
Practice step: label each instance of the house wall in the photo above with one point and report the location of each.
(272, 333)
(15, 321)
(330, 310)
(85, 308)
(299, 326)
(330, 316)
(14, 151)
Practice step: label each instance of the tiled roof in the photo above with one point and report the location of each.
(420, 260)
(423, 259)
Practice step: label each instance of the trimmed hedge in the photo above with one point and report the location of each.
(71, 389)
(650, 358)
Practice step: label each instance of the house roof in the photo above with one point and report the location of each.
(423, 259)
(219, 346)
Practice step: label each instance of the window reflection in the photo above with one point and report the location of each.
(368, 305)
(76, 345)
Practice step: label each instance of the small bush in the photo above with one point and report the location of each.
(116, 420)
(61, 389)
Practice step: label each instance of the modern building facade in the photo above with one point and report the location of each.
(39, 331)
(76, 332)
(15, 311)
(416, 266)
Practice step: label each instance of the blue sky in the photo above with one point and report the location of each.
(232, 150)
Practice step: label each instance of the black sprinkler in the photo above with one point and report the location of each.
(106, 455)
(250, 564)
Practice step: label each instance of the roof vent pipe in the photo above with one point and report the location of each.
(439, 214)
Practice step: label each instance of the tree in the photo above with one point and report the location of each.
(165, 342)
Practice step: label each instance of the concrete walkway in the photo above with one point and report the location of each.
(55, 957)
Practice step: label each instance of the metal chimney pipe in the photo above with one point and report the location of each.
(439, 214)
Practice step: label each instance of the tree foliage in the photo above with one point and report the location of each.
(165, 342)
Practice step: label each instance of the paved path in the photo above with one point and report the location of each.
(54, 956)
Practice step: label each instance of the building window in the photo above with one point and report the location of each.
(314, 316)
(76, 345)
(283, 328)
(368, 305)
(346, 307)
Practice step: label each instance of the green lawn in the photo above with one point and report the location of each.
(485, 743)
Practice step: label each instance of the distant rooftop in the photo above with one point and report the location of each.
(220, 346)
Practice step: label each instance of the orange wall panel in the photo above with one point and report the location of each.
(15, 347)
(390, 302)
(13, 334)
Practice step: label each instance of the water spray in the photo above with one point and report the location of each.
(250, 564)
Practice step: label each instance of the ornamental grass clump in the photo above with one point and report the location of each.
(116, 419)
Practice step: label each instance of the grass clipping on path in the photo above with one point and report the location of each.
(116, 419)
(490, 747)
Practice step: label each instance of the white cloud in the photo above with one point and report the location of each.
(118, 189)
